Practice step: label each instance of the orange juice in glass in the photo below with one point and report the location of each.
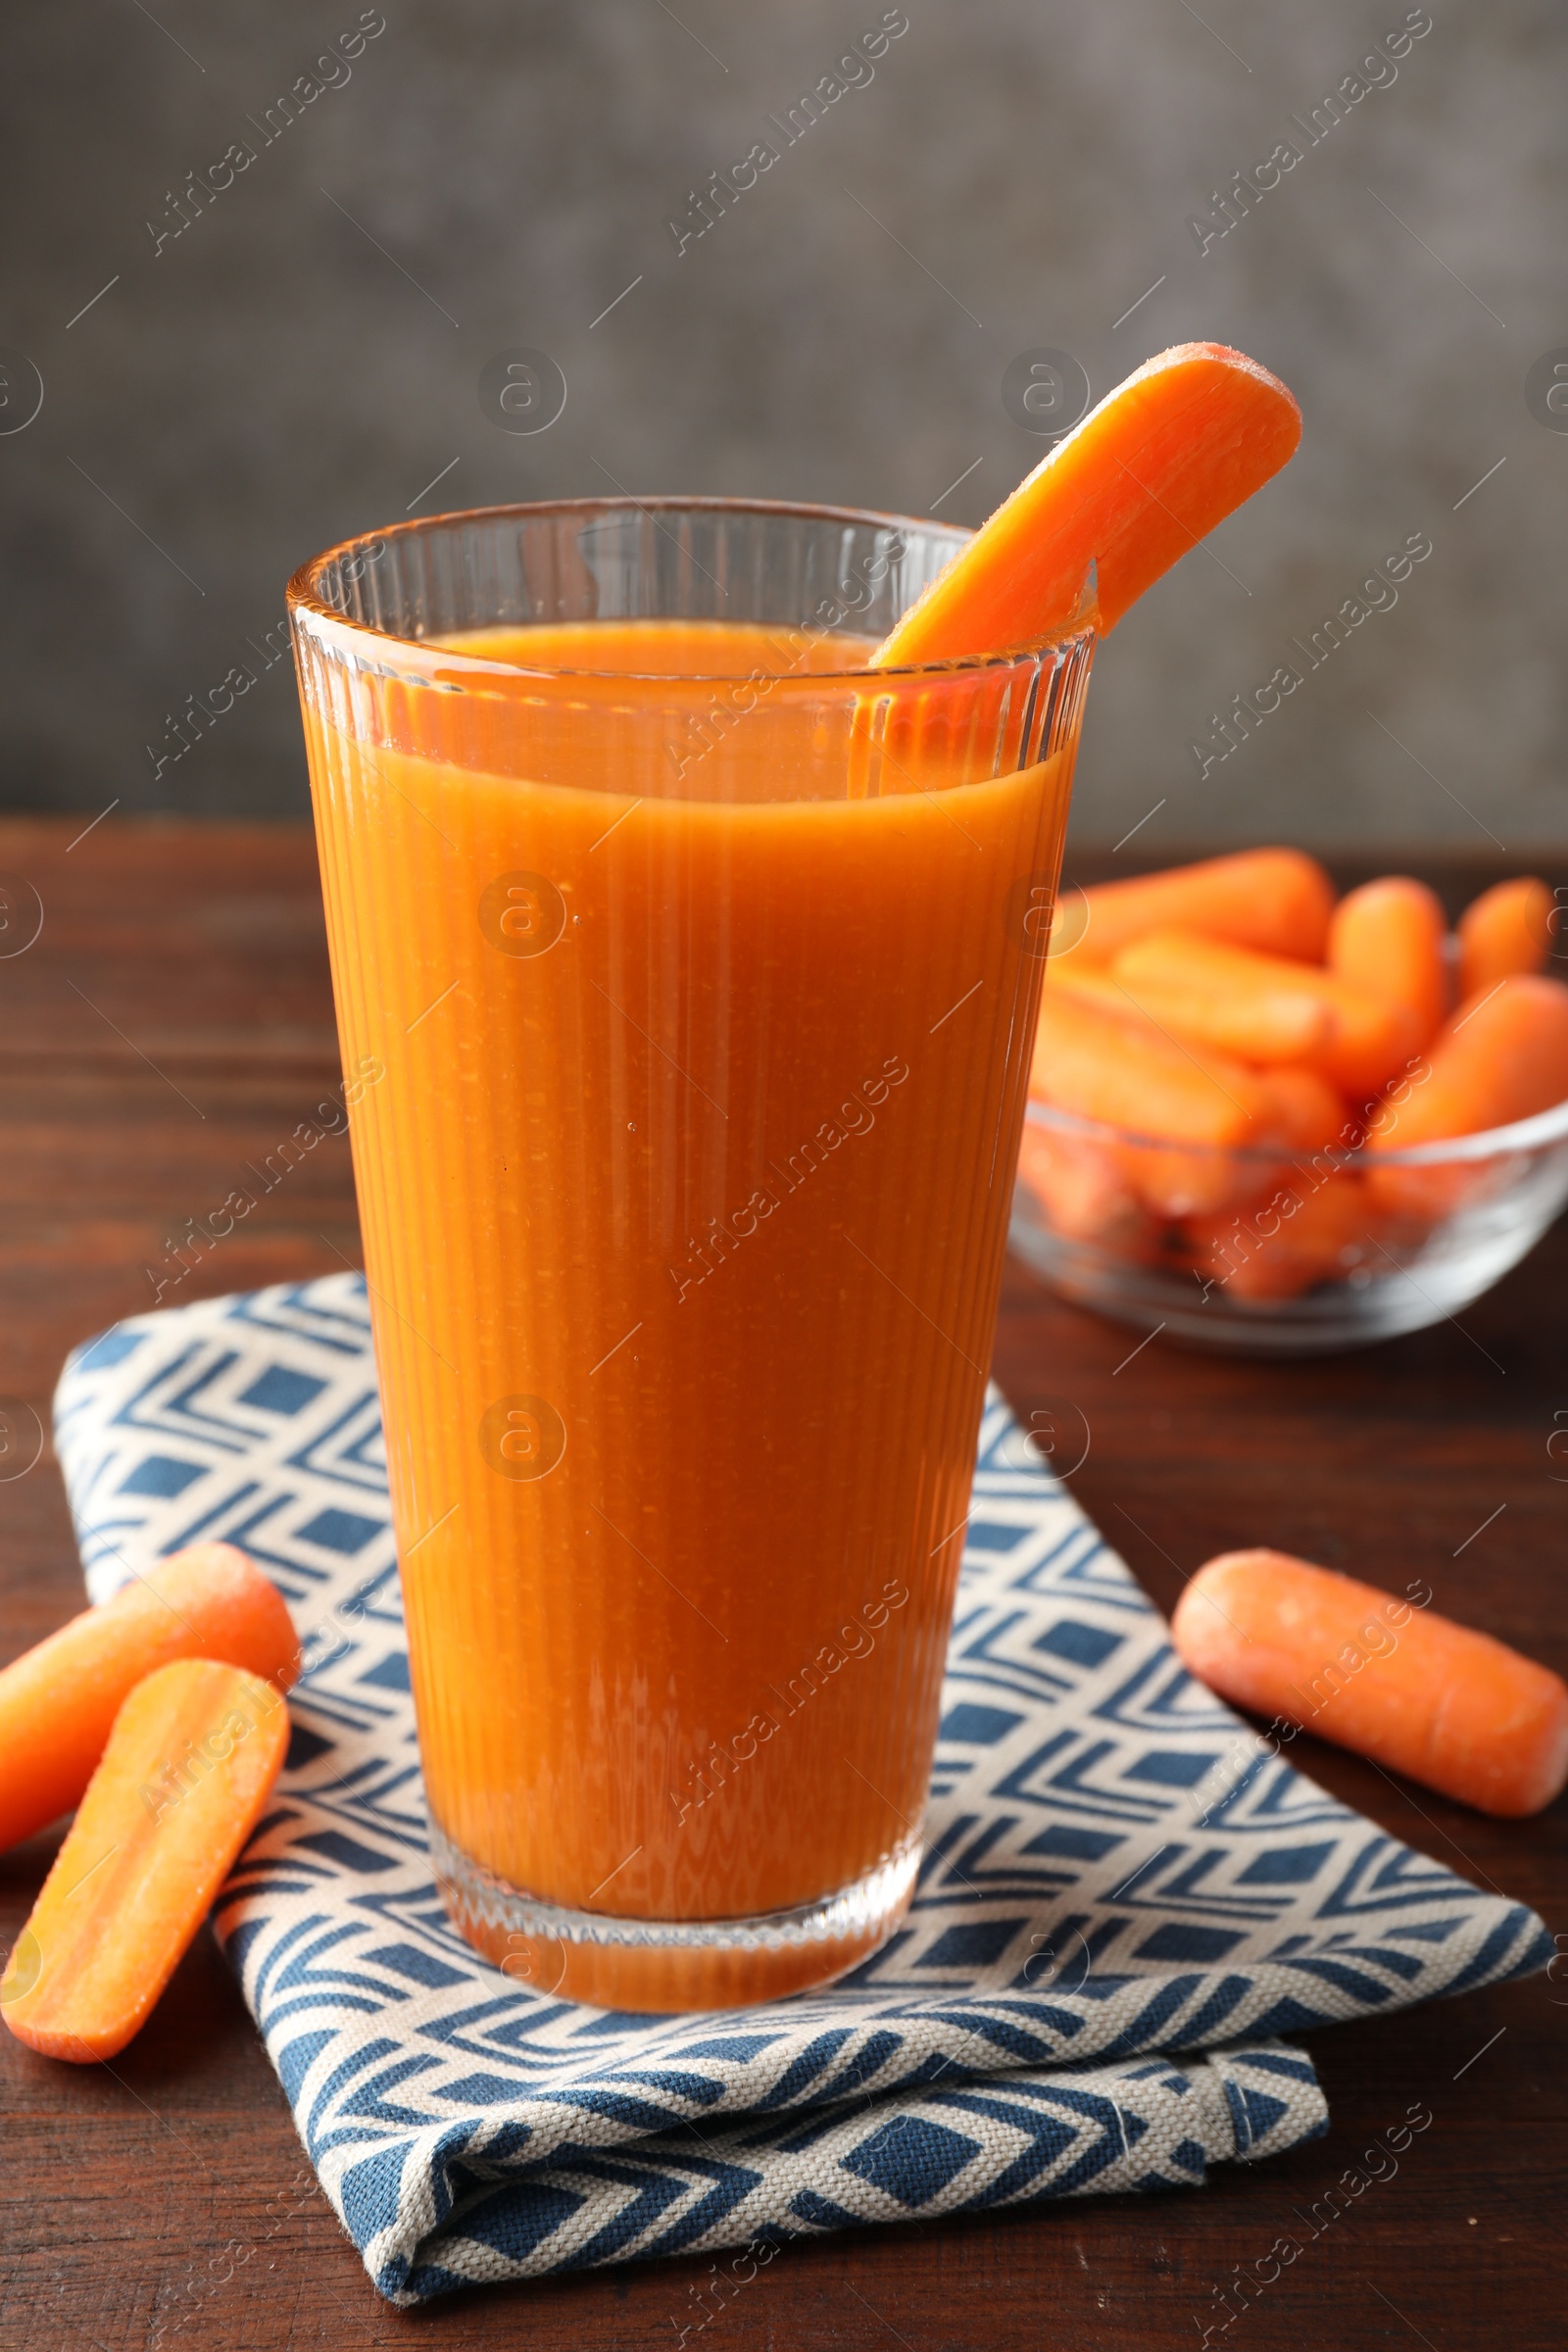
(703, 964)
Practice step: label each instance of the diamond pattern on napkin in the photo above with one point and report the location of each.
(1124, 1896)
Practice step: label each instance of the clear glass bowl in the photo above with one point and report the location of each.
(1274, 1252)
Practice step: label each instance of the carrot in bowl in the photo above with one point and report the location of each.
(190, 1762)
(1268, 1031)
(1409, 1688)
(1311, 1229)
(1369, 1037)
(1082, 1188)
(58, 1701)
(1503, 1057)
(1507, 929)
(1388, 938)
(1267, 1016)
(1097, 985)
(1277, 899)
(1307, 1112)
(1123, 1072)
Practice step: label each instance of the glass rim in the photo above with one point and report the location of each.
(1521, 1135)
(304, 600)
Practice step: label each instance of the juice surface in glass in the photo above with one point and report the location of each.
(694, 1018)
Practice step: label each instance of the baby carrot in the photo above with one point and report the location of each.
(190, 1761)
(1125, 1073)
(1081, 1186)
(1092, 984)
(1307, 1113)
(1277, 899)
(1122, 1072)
(1224, 1035)
(1507, 929)
(1309, 1231)
(1407, 1687)
(1388, 938)
(1145, 476)
(59, 1700)
(1369, 1037)
(1271, 1018)
(1503, 1057)
(1097, 986)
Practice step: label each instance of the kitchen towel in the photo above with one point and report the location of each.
(1126, 1898)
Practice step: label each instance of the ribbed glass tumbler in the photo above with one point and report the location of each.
(689, 968)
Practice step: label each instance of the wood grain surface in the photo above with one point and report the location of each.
(172, 1021)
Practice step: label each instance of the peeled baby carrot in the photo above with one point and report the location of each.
(1309, 1231)
(1123, 1073)
(1221, 1031)
(1503, 1057)
(1388, 938)
(1369, 1037)
(1175, 1183)
(1280, 901)
(1147, 474)
(1307, 1112)
(1094, 984)
(1405, 1686)
(1097, 986)
(1507, 929)
(1266, 1017)
(190, 1761)
(59, 1700)
(1082, 1188)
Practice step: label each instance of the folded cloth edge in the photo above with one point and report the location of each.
(1133, 2126)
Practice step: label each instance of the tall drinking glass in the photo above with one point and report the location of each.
(692, 970)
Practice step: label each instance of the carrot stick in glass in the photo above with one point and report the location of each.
(190, 1762)
(58, 1701)
(1147, 474)
(1409, 1688)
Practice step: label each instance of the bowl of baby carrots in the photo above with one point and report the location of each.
(1280, 1123)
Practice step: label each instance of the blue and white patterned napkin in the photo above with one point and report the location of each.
(1124, 1900)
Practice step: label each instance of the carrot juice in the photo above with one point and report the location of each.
(703, 967)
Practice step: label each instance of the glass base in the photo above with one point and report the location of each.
(669, 1964)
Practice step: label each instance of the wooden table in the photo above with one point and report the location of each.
(172, 1021)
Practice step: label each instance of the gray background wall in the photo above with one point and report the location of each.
(283, 374)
